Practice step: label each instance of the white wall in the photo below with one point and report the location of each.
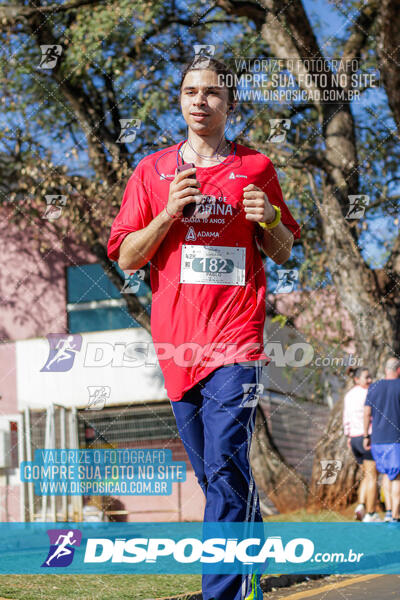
(101, 361)
(108, 358)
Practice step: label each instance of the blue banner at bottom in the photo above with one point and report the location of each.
(150, 548)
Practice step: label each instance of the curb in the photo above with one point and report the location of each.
(268, 583)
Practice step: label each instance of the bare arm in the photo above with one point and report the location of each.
(367, 419)
(140, 246)
(346, 422)
(277, 243)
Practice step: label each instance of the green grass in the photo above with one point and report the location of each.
(128, 587)
(96, 587)
(302, 516)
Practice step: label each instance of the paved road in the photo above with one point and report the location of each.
(343, 587)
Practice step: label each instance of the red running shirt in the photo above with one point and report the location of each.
(207, 276)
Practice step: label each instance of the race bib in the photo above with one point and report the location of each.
(213, 265)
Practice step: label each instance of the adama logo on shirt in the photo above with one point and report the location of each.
(191, 235)
(233, 176)
(208, 233)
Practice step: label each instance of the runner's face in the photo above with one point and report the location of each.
(204, 103)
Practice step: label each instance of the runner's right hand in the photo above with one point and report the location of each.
(183, 190)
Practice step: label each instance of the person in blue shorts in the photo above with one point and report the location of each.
(383, 405)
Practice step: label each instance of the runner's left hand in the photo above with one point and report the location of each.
(256, 205)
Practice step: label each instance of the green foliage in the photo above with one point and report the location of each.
(281, 319)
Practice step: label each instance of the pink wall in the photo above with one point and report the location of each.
(32, 284)
(186, 503)
(165, 508)
(8, 379)
(10, 494)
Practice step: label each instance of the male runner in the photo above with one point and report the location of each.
(208, 284)
(383, 405)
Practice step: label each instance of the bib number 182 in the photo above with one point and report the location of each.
(212, 265)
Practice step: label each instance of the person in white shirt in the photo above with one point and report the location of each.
(353, 425)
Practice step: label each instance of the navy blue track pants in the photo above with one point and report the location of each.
(215, 420)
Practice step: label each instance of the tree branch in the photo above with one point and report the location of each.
(362, 25)
(90, 117)
(393, 263)
(11, 13)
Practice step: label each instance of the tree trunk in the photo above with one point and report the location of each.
(332, 447)
(278, 480)
(389, 54)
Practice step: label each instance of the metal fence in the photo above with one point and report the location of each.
(296, 427)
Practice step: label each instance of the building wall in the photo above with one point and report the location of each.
(32, 283)
(105, 358)
(8, 379)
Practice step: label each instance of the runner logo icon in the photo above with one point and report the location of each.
(330, 470)
(62, 351)
(60, 552)
(251, 394)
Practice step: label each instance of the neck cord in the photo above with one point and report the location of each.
(203, 155)
(178, 153)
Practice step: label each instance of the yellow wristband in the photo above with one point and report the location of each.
(275, 222)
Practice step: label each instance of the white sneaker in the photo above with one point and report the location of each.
(359, 512)
(374, 518)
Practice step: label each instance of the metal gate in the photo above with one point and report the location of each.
(56, 427)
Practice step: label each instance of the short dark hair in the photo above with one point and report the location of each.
(215, 65)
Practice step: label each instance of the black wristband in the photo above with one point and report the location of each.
(366, 436)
